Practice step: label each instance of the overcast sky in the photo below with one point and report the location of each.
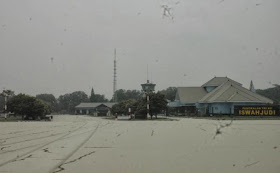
(61, 46)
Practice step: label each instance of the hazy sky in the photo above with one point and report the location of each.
(61, 46)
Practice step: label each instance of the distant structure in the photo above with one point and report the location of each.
(115, 76)
(252, 88)
(148, 88)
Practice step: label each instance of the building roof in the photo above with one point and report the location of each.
(217, 81)
(227, 90)
(231, 91)
(188, 95)
(94, 105)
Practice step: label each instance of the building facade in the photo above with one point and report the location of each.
(95, 109)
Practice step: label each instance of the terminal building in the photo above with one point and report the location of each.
(220, 95)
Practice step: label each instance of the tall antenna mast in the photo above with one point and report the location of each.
(151, 75)
(115, 76)
(147, 73)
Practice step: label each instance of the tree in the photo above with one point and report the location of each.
(123, 106)
(22, 104)
(170, 93)
(97, 97)
(100, 98)
(68, 102)
(2, 103)
(272, 93)
(158, 103)
(91, 98)
(49, 99)
(122, 95)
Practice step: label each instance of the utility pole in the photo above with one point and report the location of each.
(148, 104)
(6, 94)
(5, 107)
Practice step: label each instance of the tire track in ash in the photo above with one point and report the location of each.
(9, 151)
(28, 140)
(4, 143)
(40, 147)
(24, 135)
(58, 167)
(18, 149)
(15, 132)
(23, 131)
(5, 139)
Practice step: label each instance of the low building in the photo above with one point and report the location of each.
(95, 109)
(220, 95)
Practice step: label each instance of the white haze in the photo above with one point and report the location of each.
(61, 46)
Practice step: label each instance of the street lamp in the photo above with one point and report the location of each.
(148, 88)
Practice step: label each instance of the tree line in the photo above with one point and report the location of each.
(157, 102)
(272, 93)
(135, 99)
(65, 104)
